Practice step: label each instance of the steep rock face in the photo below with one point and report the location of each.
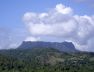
(63, 46)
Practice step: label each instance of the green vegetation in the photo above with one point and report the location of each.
(45, 60)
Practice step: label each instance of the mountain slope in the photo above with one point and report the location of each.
(63, 46)
(45, 60)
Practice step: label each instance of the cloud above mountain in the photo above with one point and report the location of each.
(62, 23)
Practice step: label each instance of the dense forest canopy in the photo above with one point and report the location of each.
(45, 60)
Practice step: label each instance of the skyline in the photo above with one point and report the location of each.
(16, 16)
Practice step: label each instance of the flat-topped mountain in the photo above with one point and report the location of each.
(62, 46)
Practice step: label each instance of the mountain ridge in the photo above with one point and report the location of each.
(62, 46)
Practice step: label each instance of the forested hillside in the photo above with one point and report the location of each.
(45, 60)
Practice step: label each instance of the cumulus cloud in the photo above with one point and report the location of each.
(62, 9)
(61, 22)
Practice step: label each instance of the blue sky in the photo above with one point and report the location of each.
(14, 30)
(11, 11)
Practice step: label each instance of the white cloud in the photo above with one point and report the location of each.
(30, 38)
(60, 22)
(62, 9)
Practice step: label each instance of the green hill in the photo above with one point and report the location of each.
(45, 60)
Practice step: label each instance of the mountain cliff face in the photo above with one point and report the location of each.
(63, 46)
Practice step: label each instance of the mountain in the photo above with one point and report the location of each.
(45, 60)
(46, 57)
(63, 46)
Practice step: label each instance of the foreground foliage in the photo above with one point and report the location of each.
(45, 60)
